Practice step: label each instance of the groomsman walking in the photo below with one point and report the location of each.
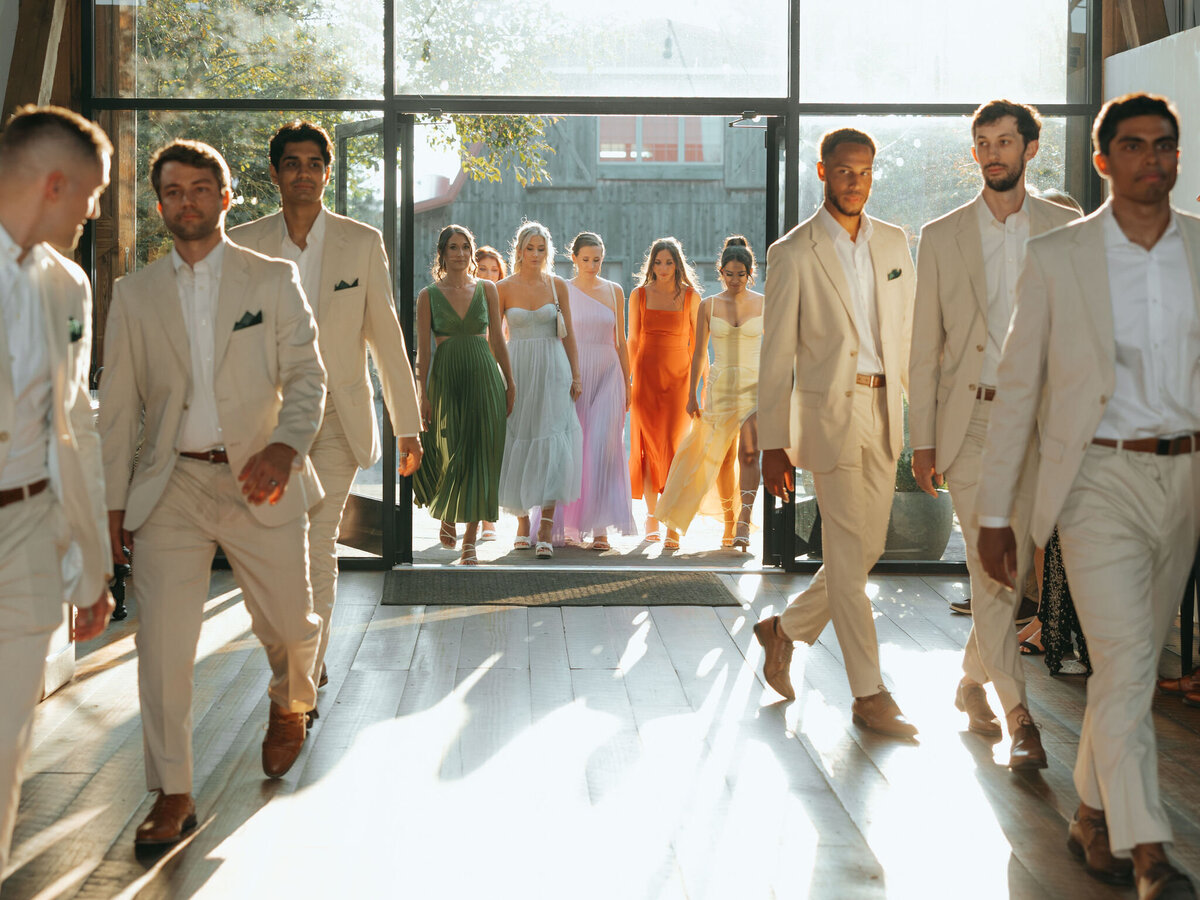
(1103, 356)
(53, 538)
(838, 310)
(968, 263)
(214, 386)
(344, 272)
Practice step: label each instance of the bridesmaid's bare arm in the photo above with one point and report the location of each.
(561, 292)
(622, 344)
(699, 357)
(496, 342)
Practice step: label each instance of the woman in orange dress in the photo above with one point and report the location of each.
(662, 334)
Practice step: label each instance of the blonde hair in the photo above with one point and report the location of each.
(524, 235)
(685, 276)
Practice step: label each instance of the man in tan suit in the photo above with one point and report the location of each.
(968, 263)
(1103, 356)
(212, 393)
(344, 272)
(53, 537)
(834, 360)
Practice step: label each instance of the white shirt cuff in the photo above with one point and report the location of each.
(993, 521)
(407, 435)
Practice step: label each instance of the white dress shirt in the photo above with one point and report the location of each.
(855, 256)
(33, 389)
(308, 260)
(1003, 256)
(199, 286)
(1157, 331)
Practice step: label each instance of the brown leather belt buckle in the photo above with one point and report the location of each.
(1188, 443)
(985, 394)
(217, 456)
(872, 381)
(24, 492)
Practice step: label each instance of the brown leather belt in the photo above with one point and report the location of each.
(16, 495)
(210, 456)
(985, 394)
(870, 380)
(1189, 443)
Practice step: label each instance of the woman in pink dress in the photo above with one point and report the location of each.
(598, 314)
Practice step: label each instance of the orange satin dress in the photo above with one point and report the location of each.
(662, 364)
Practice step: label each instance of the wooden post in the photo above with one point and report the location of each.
(35, 53)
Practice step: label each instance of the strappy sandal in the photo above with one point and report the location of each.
(742, 540)
(521, 542)
(448, 535)
(1180, 686)
(601, 544)
(727, 515)
(653, 535)
(544, 549)
(487, 532)
(468, 557)
(672, 540)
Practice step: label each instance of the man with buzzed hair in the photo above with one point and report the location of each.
(838, 314)
(53, 545)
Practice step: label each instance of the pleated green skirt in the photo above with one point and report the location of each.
(460, 471)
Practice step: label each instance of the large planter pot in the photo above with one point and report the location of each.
(919, 528)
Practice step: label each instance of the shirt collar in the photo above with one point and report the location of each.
(836, 231)
(213, 260)
(316, 234)
(10, 251)
(1114, 237)
(986, 218)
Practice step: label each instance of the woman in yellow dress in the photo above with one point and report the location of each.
(724, 430)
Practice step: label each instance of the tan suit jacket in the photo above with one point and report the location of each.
(350, 320)
(74, 457)
(1061, 343)
(950, 324)
(268, 377)
(810, 342)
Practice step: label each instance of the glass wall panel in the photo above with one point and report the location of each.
(262, 49)
(942, 51)
(636, 48)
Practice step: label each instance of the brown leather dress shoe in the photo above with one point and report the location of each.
(1087, 839)
(879, 712)
(285, 737)
(324, 679)
(972, 699)
(1027, 751)
(777, 662)
(173, 816)
(1162, 881)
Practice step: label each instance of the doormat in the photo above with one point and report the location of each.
(482, 587)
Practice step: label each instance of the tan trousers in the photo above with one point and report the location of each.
(173, 551)
(992, 653)
(855, 499)
(33, 537)
(1128, 530)
(336, 467)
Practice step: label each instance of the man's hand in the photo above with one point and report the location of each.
(998, 553)
(120, 539)
(923, 463)
(778, 475)
(90, 621)
(266, 473)
(410, 455)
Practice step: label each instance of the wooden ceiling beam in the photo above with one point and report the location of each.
(34, 64)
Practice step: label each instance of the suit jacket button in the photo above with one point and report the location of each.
(1103, 399)
(979, 347)
(849, 393)
(970, 387)
(3, 435)
(854, 353)
(185, 406)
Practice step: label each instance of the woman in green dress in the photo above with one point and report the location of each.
(463, 398)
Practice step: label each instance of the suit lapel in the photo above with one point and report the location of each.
(1190, 230)
(1090, 261)
(165, 293)
(231, 301)
(970, 245)
(7, 397)
(881, 265)
(56, 344)
(827, 255)
(335, 249)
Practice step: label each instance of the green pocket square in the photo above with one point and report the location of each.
(342, 286)
(894, 274)
(247, 320)
(75, 328)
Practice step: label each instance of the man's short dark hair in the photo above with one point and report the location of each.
(1117, 110)
(1029, 120)
(831, 140)
(296, 131)
(31, 125)
(190, 153)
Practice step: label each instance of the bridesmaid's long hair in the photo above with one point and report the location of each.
(524, 235)
(737, 249)
(439, 263)
(685, 276)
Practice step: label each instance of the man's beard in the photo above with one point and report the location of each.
(1007, 181)
(837, 204)
(192, 231)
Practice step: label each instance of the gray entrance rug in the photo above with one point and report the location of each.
(475, 587)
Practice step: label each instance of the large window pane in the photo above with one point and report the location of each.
(264, 49)
(684, 48)
(942, 51)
